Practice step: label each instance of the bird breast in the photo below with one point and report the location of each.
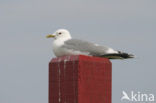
(57, 47)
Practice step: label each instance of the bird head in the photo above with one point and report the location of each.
(60, 34)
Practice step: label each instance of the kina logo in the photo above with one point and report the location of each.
(125, 96)
(137, 97)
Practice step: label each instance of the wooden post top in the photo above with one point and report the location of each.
(80, 79)
(79, 58)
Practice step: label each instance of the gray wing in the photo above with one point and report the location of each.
(84, 46)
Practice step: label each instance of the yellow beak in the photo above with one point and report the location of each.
(50, 36)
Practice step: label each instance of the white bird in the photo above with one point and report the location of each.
(64, 45)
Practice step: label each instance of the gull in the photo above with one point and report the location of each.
(65, 45)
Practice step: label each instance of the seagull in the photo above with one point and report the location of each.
(65, 45)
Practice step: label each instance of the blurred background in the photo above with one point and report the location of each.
(126, 25)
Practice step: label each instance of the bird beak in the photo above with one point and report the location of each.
(50, 36)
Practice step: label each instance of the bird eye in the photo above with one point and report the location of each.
(60, 33)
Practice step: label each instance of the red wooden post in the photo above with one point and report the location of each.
(80, 79)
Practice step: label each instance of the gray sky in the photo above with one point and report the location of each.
(127, 25)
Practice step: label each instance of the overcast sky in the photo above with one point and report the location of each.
(126, 25)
